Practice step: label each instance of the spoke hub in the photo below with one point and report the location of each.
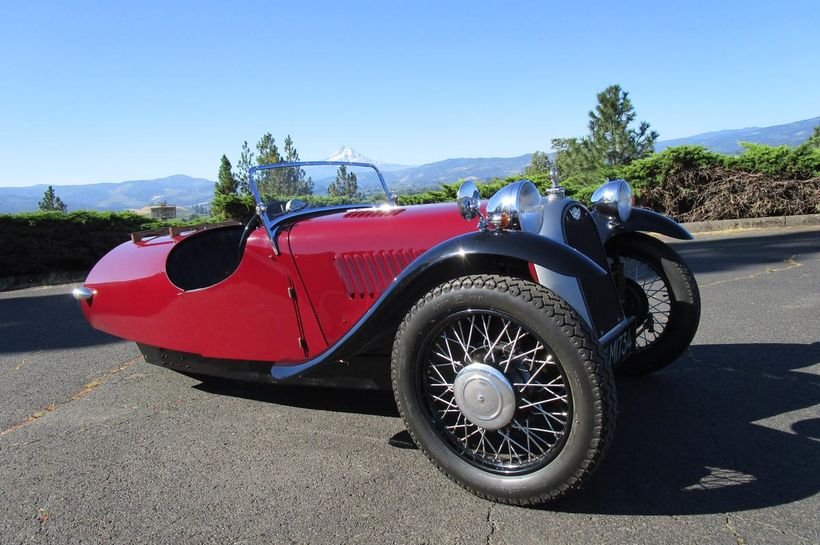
(484, 396)
(636, 303)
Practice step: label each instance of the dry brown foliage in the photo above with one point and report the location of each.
(719, 193)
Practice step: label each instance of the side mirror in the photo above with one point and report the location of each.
(468, 198)
(294, 205)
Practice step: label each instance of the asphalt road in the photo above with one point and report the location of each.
(96, 446)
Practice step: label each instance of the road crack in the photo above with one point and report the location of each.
(79, 394)
(729, 526)
(491, 523)
(791, 263)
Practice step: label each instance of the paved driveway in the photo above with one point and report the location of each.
(96, 446)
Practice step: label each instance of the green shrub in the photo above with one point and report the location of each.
(41, 243)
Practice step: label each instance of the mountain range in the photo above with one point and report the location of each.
(728, 141)
(184, 190)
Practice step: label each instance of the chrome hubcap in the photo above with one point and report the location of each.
(485, 396)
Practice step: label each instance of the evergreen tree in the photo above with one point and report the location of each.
(51, 202)
(226, 184)
(242, 166)
(814, 140)
(280, 182)
(539, 164)
(345, 184)
(296, 182)
(268, 151)
(269, 181)
(291, 155)
(612, 139)
(609, 127)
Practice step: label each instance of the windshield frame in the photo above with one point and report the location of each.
(272, 226)
(296, 164)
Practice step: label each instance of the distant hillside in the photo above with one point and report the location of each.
(451, 170)
(728, 141)
(178, 190)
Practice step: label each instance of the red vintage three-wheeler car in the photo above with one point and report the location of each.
(498, 335)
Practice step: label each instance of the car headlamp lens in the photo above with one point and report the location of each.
(613, 199)
(517, 205)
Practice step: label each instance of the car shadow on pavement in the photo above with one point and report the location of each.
(46, 322)
(711, 435)
(372, 402)
(707, 255)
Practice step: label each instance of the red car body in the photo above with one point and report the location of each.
(284, 308)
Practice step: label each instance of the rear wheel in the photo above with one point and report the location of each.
(503, 387)
(661, 292)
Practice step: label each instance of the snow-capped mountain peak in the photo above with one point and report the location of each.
(346, 153)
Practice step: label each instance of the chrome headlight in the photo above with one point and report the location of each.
(516, 206)
(613, 199)
(468, 199)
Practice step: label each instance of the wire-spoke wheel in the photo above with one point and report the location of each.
(503, 387)
(662, 294)
(648, 294)
(495, 391)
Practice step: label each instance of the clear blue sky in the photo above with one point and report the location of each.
(111, 91)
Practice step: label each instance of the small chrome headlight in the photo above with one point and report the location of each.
(468, 199)
(517, 205)
(613, 199)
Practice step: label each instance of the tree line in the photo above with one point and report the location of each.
(232, 190)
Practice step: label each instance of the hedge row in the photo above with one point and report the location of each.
(40, 243)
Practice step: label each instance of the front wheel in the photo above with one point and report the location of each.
(503, 387)
(661, 293)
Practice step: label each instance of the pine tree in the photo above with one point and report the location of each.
(226, 184)
(539, 164)
(345, 185)
(611, 141)
(279, 182)
(296, 182)
(51, 202)
(242, 166)
(268, 151)
(814, 140)
(269, 181)
(609, 127)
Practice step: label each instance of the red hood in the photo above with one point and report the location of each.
(347, 260)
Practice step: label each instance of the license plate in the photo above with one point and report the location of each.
(619, 347)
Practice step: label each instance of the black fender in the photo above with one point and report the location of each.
(642, 219)
(471, 253)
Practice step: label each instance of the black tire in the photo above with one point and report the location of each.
(670, 309)
(585, 381)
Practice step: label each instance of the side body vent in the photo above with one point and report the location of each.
(367, 274)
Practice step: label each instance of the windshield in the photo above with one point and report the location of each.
(318, 184)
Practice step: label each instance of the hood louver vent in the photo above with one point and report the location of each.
(367, 274)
